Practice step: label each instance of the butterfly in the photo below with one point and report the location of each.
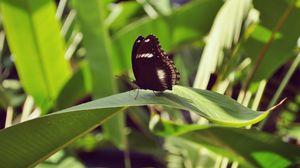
(152, 67)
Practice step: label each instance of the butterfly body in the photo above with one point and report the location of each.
(151, 66)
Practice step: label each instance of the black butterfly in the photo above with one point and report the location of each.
(152, 68)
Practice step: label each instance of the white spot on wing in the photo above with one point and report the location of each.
(160, 73)
(161, 76)
(145, 55)
(147, 40)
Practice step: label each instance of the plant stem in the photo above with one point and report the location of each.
(127, 161)
(9, 116)
(285, 80)
(282, 86)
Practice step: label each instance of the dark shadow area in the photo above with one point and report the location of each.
(115, 159)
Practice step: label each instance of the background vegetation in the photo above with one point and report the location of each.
(58, 54)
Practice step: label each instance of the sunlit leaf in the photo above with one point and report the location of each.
(34, 38)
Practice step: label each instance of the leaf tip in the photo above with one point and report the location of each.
(278, 105)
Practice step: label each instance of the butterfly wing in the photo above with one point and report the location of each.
(151, 66)
(134, 61)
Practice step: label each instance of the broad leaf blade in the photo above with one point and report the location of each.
(250, 147)
(37, 48)
(213, 106)
(217, 108)
(29, 143)
(33, 141)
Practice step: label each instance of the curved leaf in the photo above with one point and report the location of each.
(249, 147)
(28, 143)
(35, 140)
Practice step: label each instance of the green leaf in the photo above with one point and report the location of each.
(98, 48)
(27, 144)
(81, 82)
(121, 14)
(263, 34)
(182, 153)
(99, 55)
(250, 148)
(216, 107)
(33, 35)
(293, 131)
(4, 99)
(281, 49)
(213, 106)
(33, 141)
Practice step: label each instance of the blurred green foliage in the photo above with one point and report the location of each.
(58, 54)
